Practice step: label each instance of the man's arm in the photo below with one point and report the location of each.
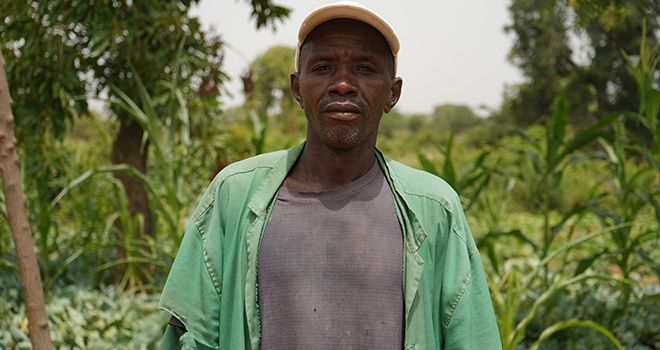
(191, 294)
(473, 324)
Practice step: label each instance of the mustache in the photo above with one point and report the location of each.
(354, 102)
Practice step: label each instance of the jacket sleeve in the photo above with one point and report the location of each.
(192, 295)
(471, 323)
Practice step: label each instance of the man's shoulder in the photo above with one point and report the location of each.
(249, 165)
(419, 184)
(238, 178)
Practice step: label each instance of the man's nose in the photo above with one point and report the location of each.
(344, 82)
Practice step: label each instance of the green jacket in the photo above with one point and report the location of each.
(213, 282)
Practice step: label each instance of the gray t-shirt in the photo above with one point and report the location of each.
(330, 269)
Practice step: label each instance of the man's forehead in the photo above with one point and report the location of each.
(346, 28)
(341, 36)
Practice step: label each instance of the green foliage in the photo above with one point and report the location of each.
(274, 115)
(84, 318)
(532, 268)
(542, 53)
(636, 188)
(399, 133)
(644, 73)
(595, 85)
(544, 161)
(58, 52)
(566, 216)
(169, 193)
(453, 118)
(470, 184)
(266, 12)
(548, 332)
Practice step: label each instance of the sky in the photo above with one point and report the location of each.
(451, 51)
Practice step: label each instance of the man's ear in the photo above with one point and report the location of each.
(397, 83)
(295, 88)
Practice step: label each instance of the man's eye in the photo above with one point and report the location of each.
(321, 68)
(366, 69)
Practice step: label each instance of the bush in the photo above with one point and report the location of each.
(81, 317)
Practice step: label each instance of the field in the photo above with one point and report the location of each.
(563, 201)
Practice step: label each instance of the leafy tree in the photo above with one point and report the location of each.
(450, 118)
(59, 52)
(417, 122)
(542, 53)
(616, 28)
(541, 50)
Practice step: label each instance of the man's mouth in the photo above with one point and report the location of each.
(342, 110)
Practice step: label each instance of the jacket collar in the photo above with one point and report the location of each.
(271, 184)
(415, 235)
(263, 196)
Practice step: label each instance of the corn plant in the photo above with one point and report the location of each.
(525, 285)
(518, 291)
(636, 180)
(549, 160)
(470, 183)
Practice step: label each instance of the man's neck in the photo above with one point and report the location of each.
(321, 168)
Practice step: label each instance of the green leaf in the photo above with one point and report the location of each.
(560, 119)
(448, 172)
(585, 263)
(169, 217)
(556, 133)
(611, 155)
(548, 332)
(555, 288)
(652, 104)
(489, 248)
(589, 135)
(426, 164)
(99, 44)
(517, 234)
(649, 261)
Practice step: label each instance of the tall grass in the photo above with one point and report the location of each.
(566, 250)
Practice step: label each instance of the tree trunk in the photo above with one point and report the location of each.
(18, 222)
(128, 149)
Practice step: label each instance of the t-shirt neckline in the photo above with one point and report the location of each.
(345, 190)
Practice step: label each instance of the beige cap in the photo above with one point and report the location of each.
(348, 10)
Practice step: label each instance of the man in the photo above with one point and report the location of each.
(331, 245)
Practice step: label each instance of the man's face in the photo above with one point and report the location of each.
(345, 83)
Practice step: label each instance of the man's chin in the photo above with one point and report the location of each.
(345, 139)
